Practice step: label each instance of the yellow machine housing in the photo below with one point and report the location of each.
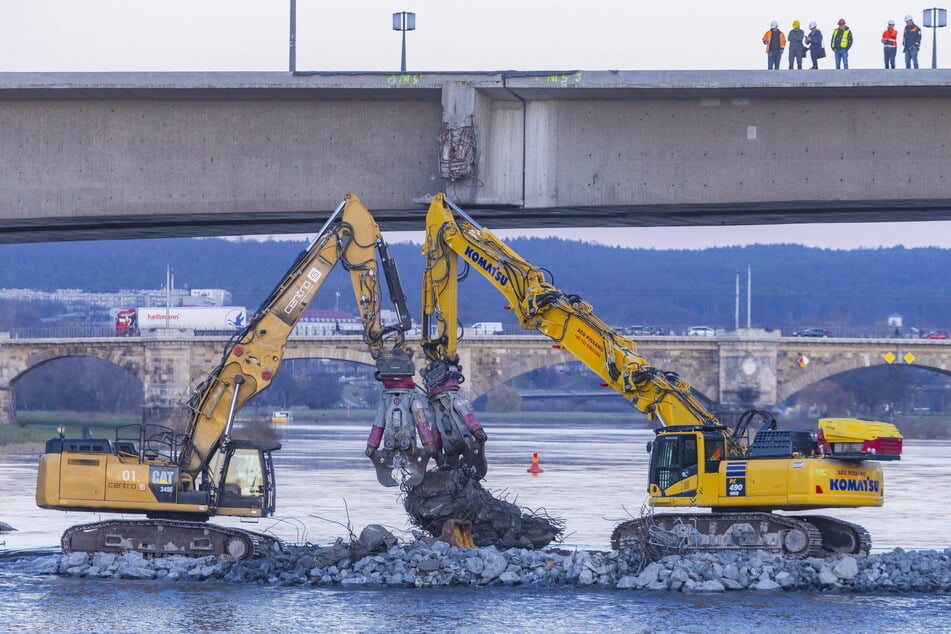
(97, 474)
(783, 471)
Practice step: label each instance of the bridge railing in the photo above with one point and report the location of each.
(62, 332)
(107, 330)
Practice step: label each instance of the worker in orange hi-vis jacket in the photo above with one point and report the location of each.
(890, 42)
(775, 42)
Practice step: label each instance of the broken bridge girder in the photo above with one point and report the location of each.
(457, 150)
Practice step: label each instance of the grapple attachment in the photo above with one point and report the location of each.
(460, 438)
(460, 434)
(392, 445)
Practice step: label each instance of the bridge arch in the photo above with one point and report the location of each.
(22, 365)
(17, 365)
(796, 378)
(793, 378)
(493, 363)
(901, 380)
(349, 349)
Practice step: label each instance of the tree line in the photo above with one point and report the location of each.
(791, 286)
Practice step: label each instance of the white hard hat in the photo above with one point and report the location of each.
(891, 23)
(812, 25)
(908, 18)
(774, 24)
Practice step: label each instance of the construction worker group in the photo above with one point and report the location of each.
(812, 42)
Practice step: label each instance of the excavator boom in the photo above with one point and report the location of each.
(568, 319)
(695, 461)
(180, 480)
(351, 238)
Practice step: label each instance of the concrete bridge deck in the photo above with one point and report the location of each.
(123, 155)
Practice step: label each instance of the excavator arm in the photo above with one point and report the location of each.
(351, 238)
(695, 460)
(451, 233)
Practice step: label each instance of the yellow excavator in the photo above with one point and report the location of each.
(742, 474)
(181, 480)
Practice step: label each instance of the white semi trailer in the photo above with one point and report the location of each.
(194, 319)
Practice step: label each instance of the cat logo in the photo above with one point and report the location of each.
(162, 483)
(162, 476)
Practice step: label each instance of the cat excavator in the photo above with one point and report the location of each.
(741, 474)
(181, 480)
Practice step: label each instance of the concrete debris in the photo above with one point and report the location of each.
(427, 562)
(454, 493)
(373, 539)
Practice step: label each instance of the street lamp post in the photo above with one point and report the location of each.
(404, 21)
(292, 63)
(934, 18)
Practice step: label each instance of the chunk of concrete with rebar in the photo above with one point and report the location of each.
(454, 493)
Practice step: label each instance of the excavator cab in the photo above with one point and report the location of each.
(673, 458)
(682, 456)
(245, 478)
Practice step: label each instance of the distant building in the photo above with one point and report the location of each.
(74, 297)
(211, 297)
(327, 322)
(319, 322)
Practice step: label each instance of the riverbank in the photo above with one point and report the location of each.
(38, 426)
(426, 562)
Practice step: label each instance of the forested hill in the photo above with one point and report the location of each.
(791, 285)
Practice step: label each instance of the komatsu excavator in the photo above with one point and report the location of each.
(180, 480)
(696, 461)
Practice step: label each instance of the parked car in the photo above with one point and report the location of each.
(936, 334)
(641, 331)
(812, 332)
(701, 331)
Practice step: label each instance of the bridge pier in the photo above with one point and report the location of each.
(158, 414)
(748, 370)
(8, 409)
(160, 404)
(169, 370)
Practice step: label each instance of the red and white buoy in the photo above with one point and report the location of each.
(535, 469)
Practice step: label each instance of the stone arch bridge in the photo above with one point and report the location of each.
(745, 369)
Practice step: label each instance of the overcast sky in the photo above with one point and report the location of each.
(252, 35)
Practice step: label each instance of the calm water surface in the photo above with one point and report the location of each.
(595, 476)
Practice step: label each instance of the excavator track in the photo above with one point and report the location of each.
(669, 533)
(840, 536)
(159, 537)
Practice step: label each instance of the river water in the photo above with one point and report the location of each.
(594, 476)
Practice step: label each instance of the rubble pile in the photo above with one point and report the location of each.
(454, 493)
(377, 560)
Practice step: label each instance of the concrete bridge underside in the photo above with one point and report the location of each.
(186, 154)
(731, 371)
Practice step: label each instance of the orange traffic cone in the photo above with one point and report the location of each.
(535, 468)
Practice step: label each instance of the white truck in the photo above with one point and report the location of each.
(485, 328)
(203, 320)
